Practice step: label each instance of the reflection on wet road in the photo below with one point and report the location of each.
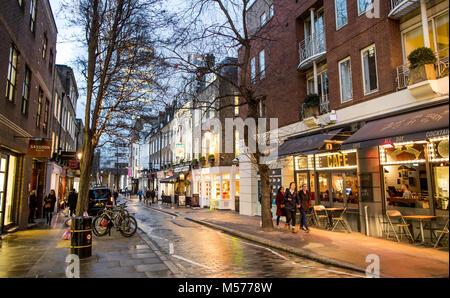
(203, 252)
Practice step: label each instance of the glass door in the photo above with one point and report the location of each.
(337, 189)
(3, 167)
(10, 190)
(324, 191)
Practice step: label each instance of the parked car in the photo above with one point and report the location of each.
(99, 197)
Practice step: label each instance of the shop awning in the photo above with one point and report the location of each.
(170, 179)
(306, 145)
(419, 125)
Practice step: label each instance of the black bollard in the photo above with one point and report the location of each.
(81, 237)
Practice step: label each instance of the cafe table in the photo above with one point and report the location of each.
(330, 216)
(421, 219)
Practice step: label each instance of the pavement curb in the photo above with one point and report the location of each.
(172, 267)
(292, 250)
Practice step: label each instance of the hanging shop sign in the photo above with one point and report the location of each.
(73, 164)
(337, 160)
(40, 148)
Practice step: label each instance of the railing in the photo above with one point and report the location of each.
(313, 45)
(441, 65)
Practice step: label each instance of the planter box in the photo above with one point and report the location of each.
(422, 73)
(310, 111)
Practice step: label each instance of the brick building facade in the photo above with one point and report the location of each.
(27, 68)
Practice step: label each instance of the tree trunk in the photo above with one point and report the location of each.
(266, 208)
(85, 174)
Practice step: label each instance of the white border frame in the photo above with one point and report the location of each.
(376, 70)
(340, 79)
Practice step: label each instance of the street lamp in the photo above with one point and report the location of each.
(79, 155)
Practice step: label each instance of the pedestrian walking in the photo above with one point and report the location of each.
(152, 196)
(148, 197)
(291, 203)
(49, 206)
(279, 201)
(72, 201)
(139, 193)
(305, 200)
(33, 206)
(115, 195)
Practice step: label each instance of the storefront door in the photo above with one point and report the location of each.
(3, 175)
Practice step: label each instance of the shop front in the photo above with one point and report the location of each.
(413, 160)
(217, 187)
(9, 172)
(183, 185)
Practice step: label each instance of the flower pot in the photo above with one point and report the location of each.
(422, 73)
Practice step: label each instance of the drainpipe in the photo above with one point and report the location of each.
(423, 13)
(367, 220)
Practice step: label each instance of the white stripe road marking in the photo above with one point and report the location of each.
(192, 262)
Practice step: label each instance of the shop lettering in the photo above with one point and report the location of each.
(337, 160)
(437, 133)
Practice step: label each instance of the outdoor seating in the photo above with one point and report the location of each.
(320, 214)
(399, 227)
(340, 219)
(310, 218)
(441, 233)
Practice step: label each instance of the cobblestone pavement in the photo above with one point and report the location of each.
(199, 251)
(40, 252)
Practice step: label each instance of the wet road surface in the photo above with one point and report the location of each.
(199, 251)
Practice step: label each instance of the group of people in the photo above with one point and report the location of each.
(49, 203)
(149, 196)
(288, 201)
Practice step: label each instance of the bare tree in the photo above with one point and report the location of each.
(224, 28)
(120, 69)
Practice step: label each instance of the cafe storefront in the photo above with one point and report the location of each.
(411, 150)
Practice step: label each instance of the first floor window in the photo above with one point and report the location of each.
(263, 19)
(262, 65)
(253, 69)
(341, 13)
(236, 106)
(369, 67)
(270, 11)
(46, 114)
(12, 73)
(26, 90)
(364, 5)
(345, 77)
(32, 15)
(39, 109)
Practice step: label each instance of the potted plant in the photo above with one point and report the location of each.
(195, 162)
(422, 61)
(211, 158)
(311, 105)
(202, 160)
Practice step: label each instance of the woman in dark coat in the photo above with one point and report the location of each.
(291, 203)
(305, 199)
(279, 201)
(49, 205)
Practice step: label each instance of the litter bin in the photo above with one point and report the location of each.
(81, 237)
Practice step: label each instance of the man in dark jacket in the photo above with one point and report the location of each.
(305, 199)
(291, 203)
(72, 201)
(32, 205)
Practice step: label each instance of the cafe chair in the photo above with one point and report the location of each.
(310, 218)
(400, 223)
(340, 219)
(320, 214)
(442, 232)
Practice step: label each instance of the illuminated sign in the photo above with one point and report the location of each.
(337, 160)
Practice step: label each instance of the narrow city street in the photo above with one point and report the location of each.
(199, 251)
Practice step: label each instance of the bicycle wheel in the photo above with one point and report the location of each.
(128, 226)
(98, 226)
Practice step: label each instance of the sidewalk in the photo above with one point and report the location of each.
(334, 248)
(40, 252)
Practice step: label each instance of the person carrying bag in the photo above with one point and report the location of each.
(291, 203)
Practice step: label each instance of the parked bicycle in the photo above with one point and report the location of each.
(114, 216)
